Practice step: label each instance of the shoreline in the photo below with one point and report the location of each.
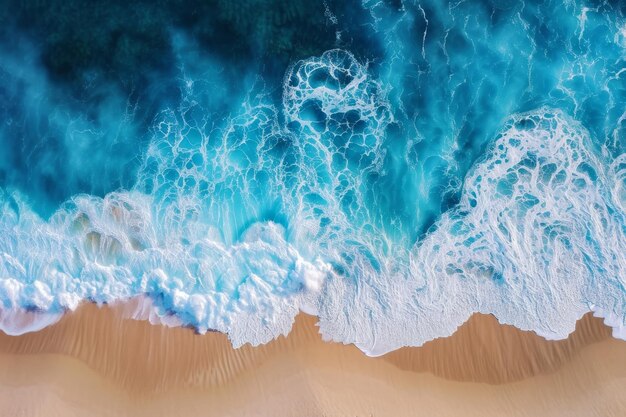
(95, 361)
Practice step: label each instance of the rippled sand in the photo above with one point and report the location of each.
(94, 362)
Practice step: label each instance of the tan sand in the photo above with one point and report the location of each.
(95, 363)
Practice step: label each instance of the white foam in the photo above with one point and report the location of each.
(260, 282)
(537, 237)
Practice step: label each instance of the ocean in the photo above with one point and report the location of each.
(392, 167)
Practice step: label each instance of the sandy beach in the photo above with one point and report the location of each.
(95, 362)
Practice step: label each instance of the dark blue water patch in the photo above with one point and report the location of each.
(116, 79)
(54, 146)
(134, 39)
(311, 111)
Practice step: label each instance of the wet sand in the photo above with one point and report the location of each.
(95, 362)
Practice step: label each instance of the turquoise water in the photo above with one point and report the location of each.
(392, 167)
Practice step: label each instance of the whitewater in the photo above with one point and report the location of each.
(477, 164)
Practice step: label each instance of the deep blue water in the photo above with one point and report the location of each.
(391, 166)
